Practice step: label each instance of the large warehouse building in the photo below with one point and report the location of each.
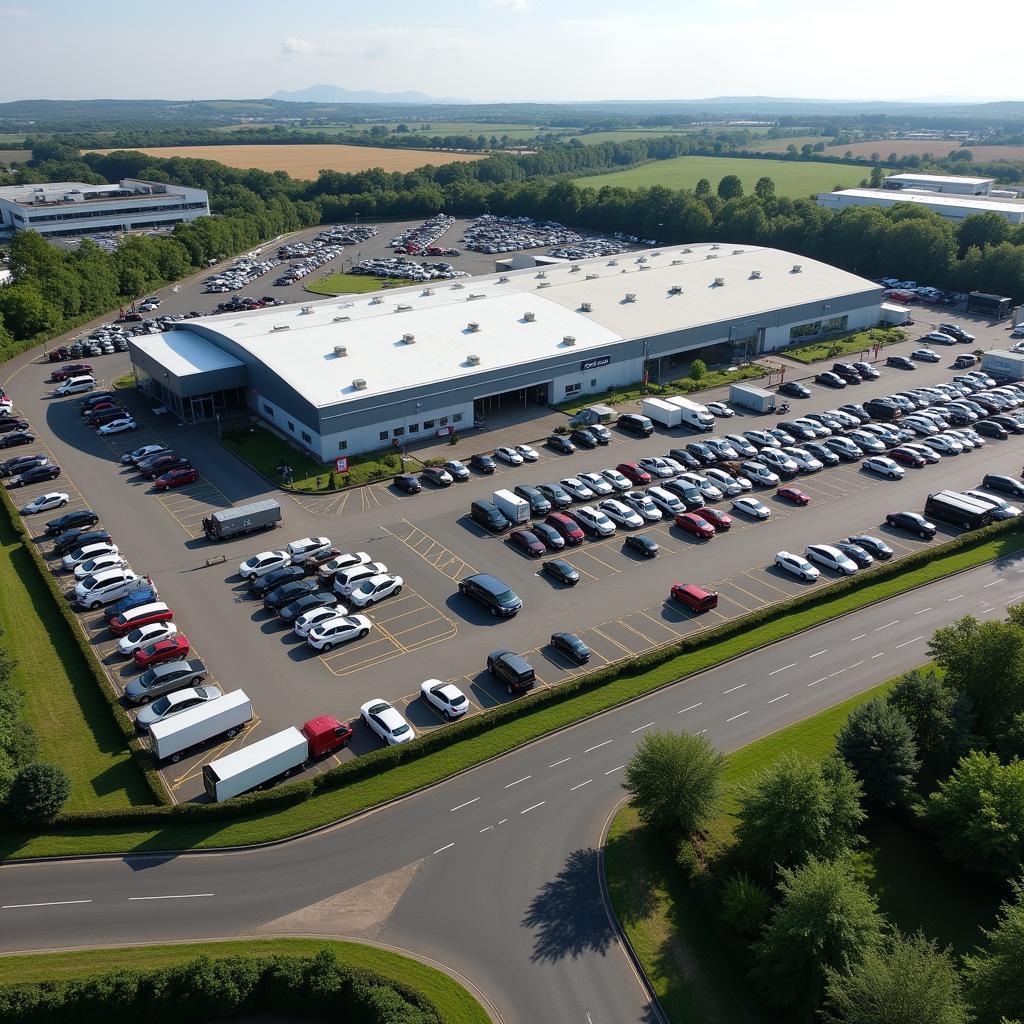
(952, 201)
(351, 375)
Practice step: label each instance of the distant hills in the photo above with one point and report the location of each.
(336, 94)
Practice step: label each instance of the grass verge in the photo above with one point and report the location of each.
(349, 284)
(858, 344)
(127, 380)
(62, 703)
(361, 793)
(454, 1002)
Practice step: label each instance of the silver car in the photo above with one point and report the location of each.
(174, 703)
(164, 678)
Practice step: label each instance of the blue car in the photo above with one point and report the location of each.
(133, 600)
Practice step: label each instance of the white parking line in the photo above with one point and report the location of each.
(442, 849)
(733, 689)
(54, 903)
(776, 671)
(458, 807)
(957, 598)
(516, 783)
(734, 717)
(596, 745)
(580, 786)
(488, 829)
(993, 583)
(780, 696)
(640, 727)
(839, 673)
(922, 611)
(533, 807)
(612, 771)
(861, 637)
(690, 708)
(887, 625)
(816, 653)
(856, 664)
(909, 642)
(878, 655)
(557, 763)
(180, 896)
(816, 681)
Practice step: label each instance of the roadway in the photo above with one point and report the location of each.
(494, 872)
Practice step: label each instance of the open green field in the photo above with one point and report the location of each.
(347, 284)
(474, 128)
(62, 701)
(792, 178)
(454, 1002)
(781, 145)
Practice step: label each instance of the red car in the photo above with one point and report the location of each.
(715, 516)
(97, 417)
(119, 624)
(99, 406)
(527, 542)
(173, 648)
(634, 473)
(907, 457)
(71, 370)
(793, 494)
(690, 522)
(176, 478)
(565, 526)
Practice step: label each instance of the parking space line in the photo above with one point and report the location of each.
(611, 640)
(646, 639)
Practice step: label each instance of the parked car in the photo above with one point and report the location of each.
(793, 494)
(830, 557)
(561, 571)
(912, 522)
(751, 507)
(437, 475)
(560, 444)
(645, 546)
(45, 502)
(387, 722)
(444, 697)
(796, 565)
(494, 594)
(794, 389)
(484, 463)
(338, 629)
(172, 648)
(408, 482)
(1003, 484)
(690, 522)
(164, 678)
(571, 646)
(176, 478)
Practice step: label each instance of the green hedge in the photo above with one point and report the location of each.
(124, 722)
(203, 989)
(378, 761)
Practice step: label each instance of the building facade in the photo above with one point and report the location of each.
(954, 207)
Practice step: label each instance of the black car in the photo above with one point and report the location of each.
(964, 360)
(551, 537)
(797, 430)
(484, 463)
(11, 467)
(36, 475)
(561, 571)
(512, 669)
(642, 544)
(989, 428)
(408, 482)
(78, 538)
(857, 554)
(794, 389)
(437, 475)
(830, 379)
(262, 585)
(160, 467)
(1003, 484)
(866, 370)
(8, 423)
(17, 438)
(571, 646)
(822, 453)
(684, 458)
(900, 363)
(874, 546)
(494, 594)
(288, 592)
(71, 520)
(912, 522)
(583, 438)
(144, 465)
(1008, 423)
(857, 411)
(702, 453)
(560, 444)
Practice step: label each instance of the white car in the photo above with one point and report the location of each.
(118, 426)
(375, 589)
(762, 439)
(387, 722)
(968, 438)
(577, 489)
(751, 507)
(722, 448)
(444, 697)
(805, 461)
(884, 467)
(745, 449)
(597, 483)
(108, 560)
(55, 499)
(307, 620)
(620, 513)
(176, 702)
(943, 445)
(726, 482)
(1004, 510)
(797, 565)
(831, 558)
(777, 460)
(75, 386)
(708, 490)
(656, 467)
(819, 430)
(87, 553)
(867, 441)
(760, 474)
(526, 453)
(922, 426)
(339, 562)
(338, 629)
(264, 562)
(925, 355)
(642, 505)
(348, 579)
(616, 479)
(509, 455)
(719, 409)
(669, 504)
(593, 521)
(145, 635)
(676, 467)
(300, 549)
(940, 338)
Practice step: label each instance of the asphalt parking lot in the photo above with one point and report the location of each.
(620, 608)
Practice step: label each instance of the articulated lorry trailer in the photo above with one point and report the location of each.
(234, 522)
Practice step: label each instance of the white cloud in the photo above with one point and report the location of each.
(510, 5)
(297, 45)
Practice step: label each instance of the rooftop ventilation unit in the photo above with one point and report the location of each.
(376, 300)
(796, 268)
(568, 339)
(719, 282)
(427, 291)
(475, 295)
(737, 252)
(710, 256)
(341, 319)
(541, 273)
(307, 309)
(341, 350)
(529, 317)
(458, 286)
(593, 277)
(716, 246)
(403, 308)
(544, 284)
(630, 297)
(503, 279)
(612, 263)
(676, 289)
(644, 266)
(686, 252)
(473, 360)
(409, 339)
(472, 327)
(676, 263)
(359, 384)
(586, 307)
(281, 327)
(574, 269)
(755, 275)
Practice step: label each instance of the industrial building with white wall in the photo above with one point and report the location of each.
(351, 375)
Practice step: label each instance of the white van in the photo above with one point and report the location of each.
(76, 386)
(106, 586)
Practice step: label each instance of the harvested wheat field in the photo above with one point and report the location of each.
(308, 161)
(908, 147)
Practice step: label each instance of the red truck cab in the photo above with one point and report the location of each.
(325, 734)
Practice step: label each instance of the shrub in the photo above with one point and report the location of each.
(38, 793)
(745, 904)
(698, 369)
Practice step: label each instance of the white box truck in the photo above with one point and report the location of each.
(1003, 364)
(222, 716)
(693, 413)
(664, 413)
(751, 397)
(515, 509)
(258, 763)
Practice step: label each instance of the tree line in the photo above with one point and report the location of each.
(940, 754)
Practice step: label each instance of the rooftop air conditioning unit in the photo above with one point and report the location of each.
(710, 256)
(644, 266)
(376, 300)
(719, 281)
(593, 277)
(676, 263)
(359, 383)
(472, 327)
(737, 252)
(586, 307)
(796, 268)
(755, 275)
(529, 317)
(687, 251)
(403, 308)
(542, 273)
(473, 360)
(409, 339)
(676, 289)
(716, 246)
(427, 291)
(341, 319)
(307, 309)
(503, 279)
(341, 350)
(457, 287)
(630, 297)
(568, 339)
(280, 327)
(474, 295)
(574, 269)
(544, 284)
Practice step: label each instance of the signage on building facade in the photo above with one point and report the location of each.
(593, 364)
(341, 464)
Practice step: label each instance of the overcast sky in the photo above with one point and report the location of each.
(492, 50)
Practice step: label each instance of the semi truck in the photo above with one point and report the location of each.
(233, 522)
(515, 509)
(694, 414)
(1001, 363)
(274, 757)
(751, 397)
(666, 414)
(998, 307)
(222, 716)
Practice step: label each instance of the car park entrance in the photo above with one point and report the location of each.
(506, 402)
